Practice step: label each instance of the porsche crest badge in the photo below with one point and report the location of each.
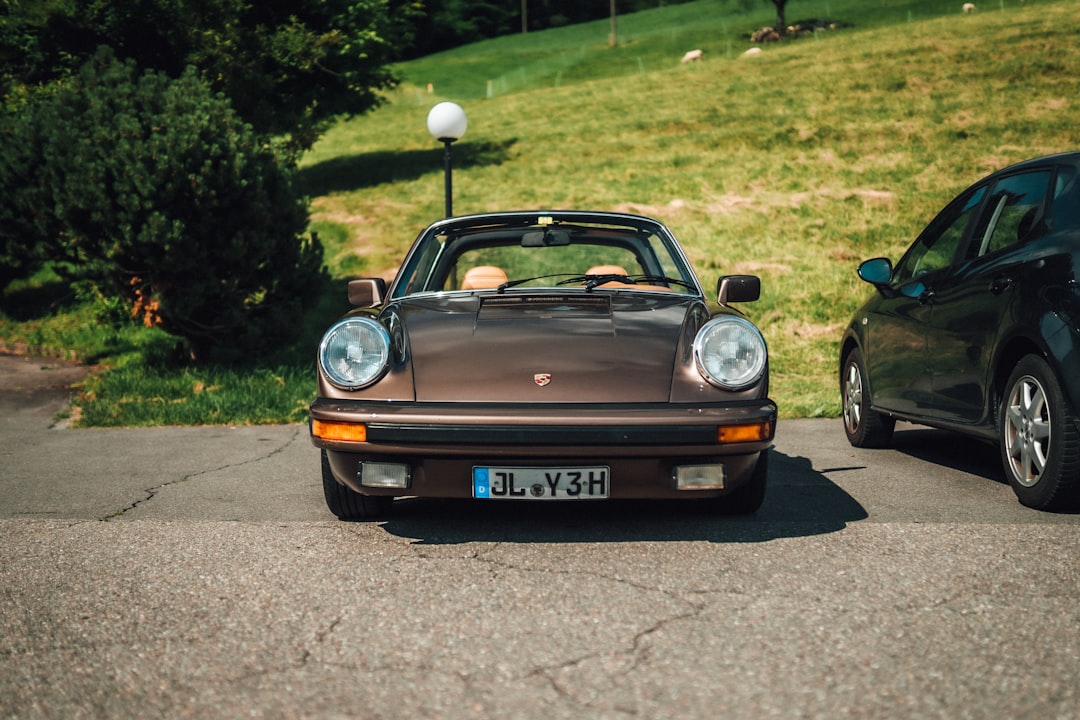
(542, 379)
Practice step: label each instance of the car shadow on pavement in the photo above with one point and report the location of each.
(952, 450)
(800, 502)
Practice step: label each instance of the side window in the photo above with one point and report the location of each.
(1065, 211)
(417, 277)
(1013, 213)
(939, 242)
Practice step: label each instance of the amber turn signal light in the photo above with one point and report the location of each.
(353, 432)
(755, 432)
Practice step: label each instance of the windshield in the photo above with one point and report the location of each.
(565, 255)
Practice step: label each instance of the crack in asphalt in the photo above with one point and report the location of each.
(153, 491)
(634, 651)
(634, 654)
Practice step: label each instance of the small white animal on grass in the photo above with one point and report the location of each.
(969, 7)
(691, 56)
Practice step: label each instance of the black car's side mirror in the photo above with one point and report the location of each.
(738, 288)
(877, 271)
(367, 292)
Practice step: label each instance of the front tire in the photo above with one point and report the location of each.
(1039, 440)
(348, 504)
(864, 427)
(747, 499)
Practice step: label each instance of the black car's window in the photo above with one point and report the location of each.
(1013, 213)
(938, 244)
(1065, 211)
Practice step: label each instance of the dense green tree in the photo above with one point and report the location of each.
(22, 220)
(288, 66)
(152, 190)
(449, 23)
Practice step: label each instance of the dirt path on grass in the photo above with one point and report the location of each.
(35, 387)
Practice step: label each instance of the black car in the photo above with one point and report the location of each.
(977, 329)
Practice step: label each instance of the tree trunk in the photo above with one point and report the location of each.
(781, 22)
(612, 35)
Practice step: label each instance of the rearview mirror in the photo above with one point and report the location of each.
(738, 288)
(545, 238)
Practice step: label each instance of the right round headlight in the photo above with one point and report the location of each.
(354, 352)
(730, 352)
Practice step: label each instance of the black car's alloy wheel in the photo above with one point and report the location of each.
(1040, 443)
(864, 427)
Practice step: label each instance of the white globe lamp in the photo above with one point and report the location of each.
(447, 123)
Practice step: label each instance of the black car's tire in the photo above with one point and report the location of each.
(348, 504)
(1039, 440)
(864, 427)
(746, 500)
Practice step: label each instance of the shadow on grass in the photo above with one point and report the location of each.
(23, 301)
(355, 172)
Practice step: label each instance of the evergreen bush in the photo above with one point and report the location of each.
(21, 223)
(152, 190)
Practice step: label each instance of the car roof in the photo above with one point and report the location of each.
(1062, 158)
(540, 217)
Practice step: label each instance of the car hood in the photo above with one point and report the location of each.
(526, 347)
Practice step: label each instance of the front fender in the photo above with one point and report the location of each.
(1063, 354)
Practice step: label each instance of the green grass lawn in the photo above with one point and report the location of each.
(793, 164)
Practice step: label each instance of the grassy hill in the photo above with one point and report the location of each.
(793, 164)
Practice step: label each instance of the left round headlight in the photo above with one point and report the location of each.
(730, 352)
(354, 352)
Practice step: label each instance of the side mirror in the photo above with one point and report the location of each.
(877, 271)
(738, 288)
(367, 292)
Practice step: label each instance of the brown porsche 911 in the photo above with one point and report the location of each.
(539, 356)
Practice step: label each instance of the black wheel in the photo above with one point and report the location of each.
(1040, 443)
(348, 504)
(864, 427)
(747, 499)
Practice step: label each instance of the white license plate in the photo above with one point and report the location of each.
(541, 483)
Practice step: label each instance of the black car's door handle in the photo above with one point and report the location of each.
(1001, 284)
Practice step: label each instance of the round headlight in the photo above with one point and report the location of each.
(354, 352)
(730, 352)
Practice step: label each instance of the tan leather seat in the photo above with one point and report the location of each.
(607, 270)
(483, 277)
(620, 270)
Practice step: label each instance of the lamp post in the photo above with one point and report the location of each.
(447, 122)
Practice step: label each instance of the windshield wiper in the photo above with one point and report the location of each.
(662, 279)
(521, 281)
(594, 281)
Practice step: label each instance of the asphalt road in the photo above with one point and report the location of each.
(195, 572)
